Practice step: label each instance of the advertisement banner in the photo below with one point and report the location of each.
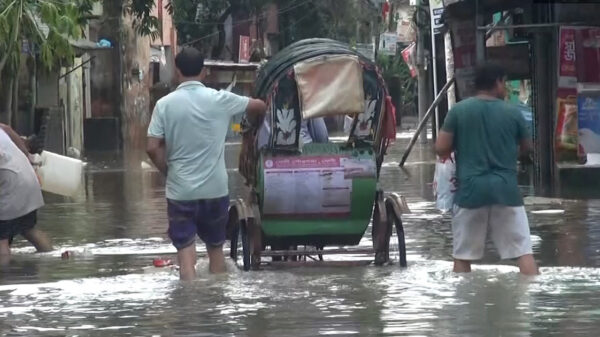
(309, 186)
(567, 63)
(588, 118)
(388, 43)
(578, 76)
(566, 124)
(244, 53)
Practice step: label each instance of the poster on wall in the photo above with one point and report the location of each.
(588, 104)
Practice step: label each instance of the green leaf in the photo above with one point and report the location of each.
(48, 12)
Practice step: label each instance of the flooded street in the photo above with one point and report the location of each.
(117, 226)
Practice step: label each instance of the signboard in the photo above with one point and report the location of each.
(567, 70)
(244, 50)
(436, 7)
(388, 43)
(588, 118)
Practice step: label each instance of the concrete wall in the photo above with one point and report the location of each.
(169, 38)
(104, 68)
(47, 89)
(135, 115)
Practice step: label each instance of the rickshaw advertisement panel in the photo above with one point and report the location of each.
(312, 186)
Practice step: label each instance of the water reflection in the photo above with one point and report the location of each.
(117, 226)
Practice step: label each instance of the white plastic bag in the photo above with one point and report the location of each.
(444, 183)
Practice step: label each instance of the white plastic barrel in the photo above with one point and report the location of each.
(59, 174)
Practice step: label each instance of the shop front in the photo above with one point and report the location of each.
(552, 54)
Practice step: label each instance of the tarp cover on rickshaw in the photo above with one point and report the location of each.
(329, 86)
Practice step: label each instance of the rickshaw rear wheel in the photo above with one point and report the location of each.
(395, 221)
(381, 233)
(240, 236)
(254, 244)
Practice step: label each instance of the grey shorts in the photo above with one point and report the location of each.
(507, 227)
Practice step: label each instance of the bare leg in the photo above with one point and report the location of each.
(462, 266)
(4, 252)
(527, 265)
(187, 263)
(216, 259)
(39, 240)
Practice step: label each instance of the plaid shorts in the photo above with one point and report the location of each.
(206, 218)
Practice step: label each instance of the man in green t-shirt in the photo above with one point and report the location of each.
(486, 134)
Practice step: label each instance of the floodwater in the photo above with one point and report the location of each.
(117, 226)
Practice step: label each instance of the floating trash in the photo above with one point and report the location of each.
(161, 263)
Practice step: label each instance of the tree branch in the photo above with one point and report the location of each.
(13, 38)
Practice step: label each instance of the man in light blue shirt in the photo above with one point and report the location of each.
(186, 141)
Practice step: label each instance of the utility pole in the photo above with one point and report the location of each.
(449, 68)
(422, 84)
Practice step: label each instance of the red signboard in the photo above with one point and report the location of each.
(244, 52)
(567, 69)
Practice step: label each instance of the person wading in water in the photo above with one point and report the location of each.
(20, 195)
(186, 142)
(486, 134)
